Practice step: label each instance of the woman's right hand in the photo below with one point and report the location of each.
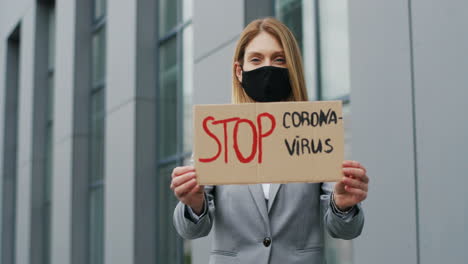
(185, 187)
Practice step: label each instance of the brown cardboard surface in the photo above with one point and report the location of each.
(259, 153)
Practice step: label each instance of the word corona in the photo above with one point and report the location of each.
(314, 119)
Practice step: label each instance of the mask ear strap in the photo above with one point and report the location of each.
(242, 69)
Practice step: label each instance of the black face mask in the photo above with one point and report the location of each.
(267, 84)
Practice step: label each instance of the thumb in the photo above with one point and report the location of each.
(201, 188)
(340, 188)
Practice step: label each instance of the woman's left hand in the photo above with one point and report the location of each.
(352, 189)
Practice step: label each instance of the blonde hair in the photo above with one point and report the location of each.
(291, 51)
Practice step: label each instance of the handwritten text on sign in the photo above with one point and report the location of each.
(268, 142)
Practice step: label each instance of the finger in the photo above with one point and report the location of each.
(362, 195)
(353, 164)
(355, 184)
(178, 180)
(181, 170)
(185, 188)
(356, 173)
(197, 188)
(363, 168)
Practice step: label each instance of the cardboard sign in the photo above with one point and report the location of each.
(268, 142)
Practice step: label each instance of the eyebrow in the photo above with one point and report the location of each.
(254, 53)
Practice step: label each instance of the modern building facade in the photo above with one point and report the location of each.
(95, 112)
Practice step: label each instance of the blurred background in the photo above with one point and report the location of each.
(96, 101)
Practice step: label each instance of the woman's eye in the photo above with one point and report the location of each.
(255, 60)
(280, 60)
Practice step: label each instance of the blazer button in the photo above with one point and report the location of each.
(267, 241)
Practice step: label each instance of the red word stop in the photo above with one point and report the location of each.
(257, 137)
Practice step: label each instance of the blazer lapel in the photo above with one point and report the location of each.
(274, 188)
(257, 194)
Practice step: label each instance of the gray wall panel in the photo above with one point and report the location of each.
(26, 83)
(25, 105)
(121, 53)
(212, 77)
(382, 128)
(62, 132)
(119, 133)
(216, 23)
(11, 12)
(440, 69)
(119, 186)
(64, 70)
(130, 133)
(61, 202)
(23, 210)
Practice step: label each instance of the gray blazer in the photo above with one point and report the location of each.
(286, 230)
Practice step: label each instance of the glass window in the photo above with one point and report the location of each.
(50, 102)
(321, 29)
(187, 82)
(167, 99)
(99, 9)
(98, 50)
(96, 135)
(168, 16)
(168, 243)
(48, 166)
(298, 16)
(50, 93)
(96, 228)
(47, 232)
(47, 185)
(174, 113)
(51, 37)
(290, 13)
(334, 50)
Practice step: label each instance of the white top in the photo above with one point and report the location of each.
(266, 190)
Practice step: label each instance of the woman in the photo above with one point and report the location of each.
(269, 223)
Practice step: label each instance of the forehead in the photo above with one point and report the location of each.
(263, 43)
